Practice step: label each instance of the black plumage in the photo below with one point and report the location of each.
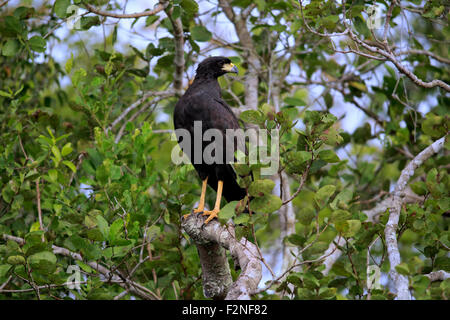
(203, 102)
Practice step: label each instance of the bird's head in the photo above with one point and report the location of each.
(215, 67)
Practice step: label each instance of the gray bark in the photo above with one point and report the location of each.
(211, 240)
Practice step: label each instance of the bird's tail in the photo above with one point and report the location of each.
(232, 191)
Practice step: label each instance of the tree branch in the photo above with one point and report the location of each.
(178, 34)
(116, 277)
(388, 19)
(400, 67)
(160, 7)
(164, 94)
(377, 49)
(210, 239)
(424, 52)
(389, 202)
(250, 57)
(390, 232)
(440, 275)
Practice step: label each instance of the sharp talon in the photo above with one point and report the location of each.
(212, 214)
(185, 216)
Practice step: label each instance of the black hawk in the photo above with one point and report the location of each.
(203, 102)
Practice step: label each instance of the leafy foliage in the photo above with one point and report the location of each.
(109, 192)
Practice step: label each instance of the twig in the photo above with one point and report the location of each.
(388, 20)
(113, 277)
(300, 187)
(424, 52)
(160, 7)
(272, 282)
(38, 199)
(147, 95)
(121, 295)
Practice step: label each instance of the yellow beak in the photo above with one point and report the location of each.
(230, 67)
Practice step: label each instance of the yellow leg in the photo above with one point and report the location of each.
(201, 205)
(214, 213)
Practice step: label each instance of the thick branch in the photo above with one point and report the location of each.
(390, 232)
(390, 202)
(440, 275)
(215, 269)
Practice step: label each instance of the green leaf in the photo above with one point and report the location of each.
(53, 174)
(70, 165)
(228, 211)
(200, 33)
(331, 137)
(252, 116)
(37, 43)
(153, 232)
(434, 126)
(57, 154)
(60, 8)
(67, 149)
(190, 6)
(151, 20)
(340, 215)
(69, 64)
(14, 26)
(361, 27)
(302, 157)
(44, 261)
(323, 195)
(348, 228)
(115, 172)
(261, 188)
(5, 94)
(296, 239)
(294, 102)
(16, 260)
(402, 268)
(114, 230)
(329, 22)
(328, 156)
(242, 219)
(103, 226)
(358, 85)
(4, 268)
(10, 48)
(342, 199)
(266, 204)
(87, 22)
(419, 187)
(306, 215)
